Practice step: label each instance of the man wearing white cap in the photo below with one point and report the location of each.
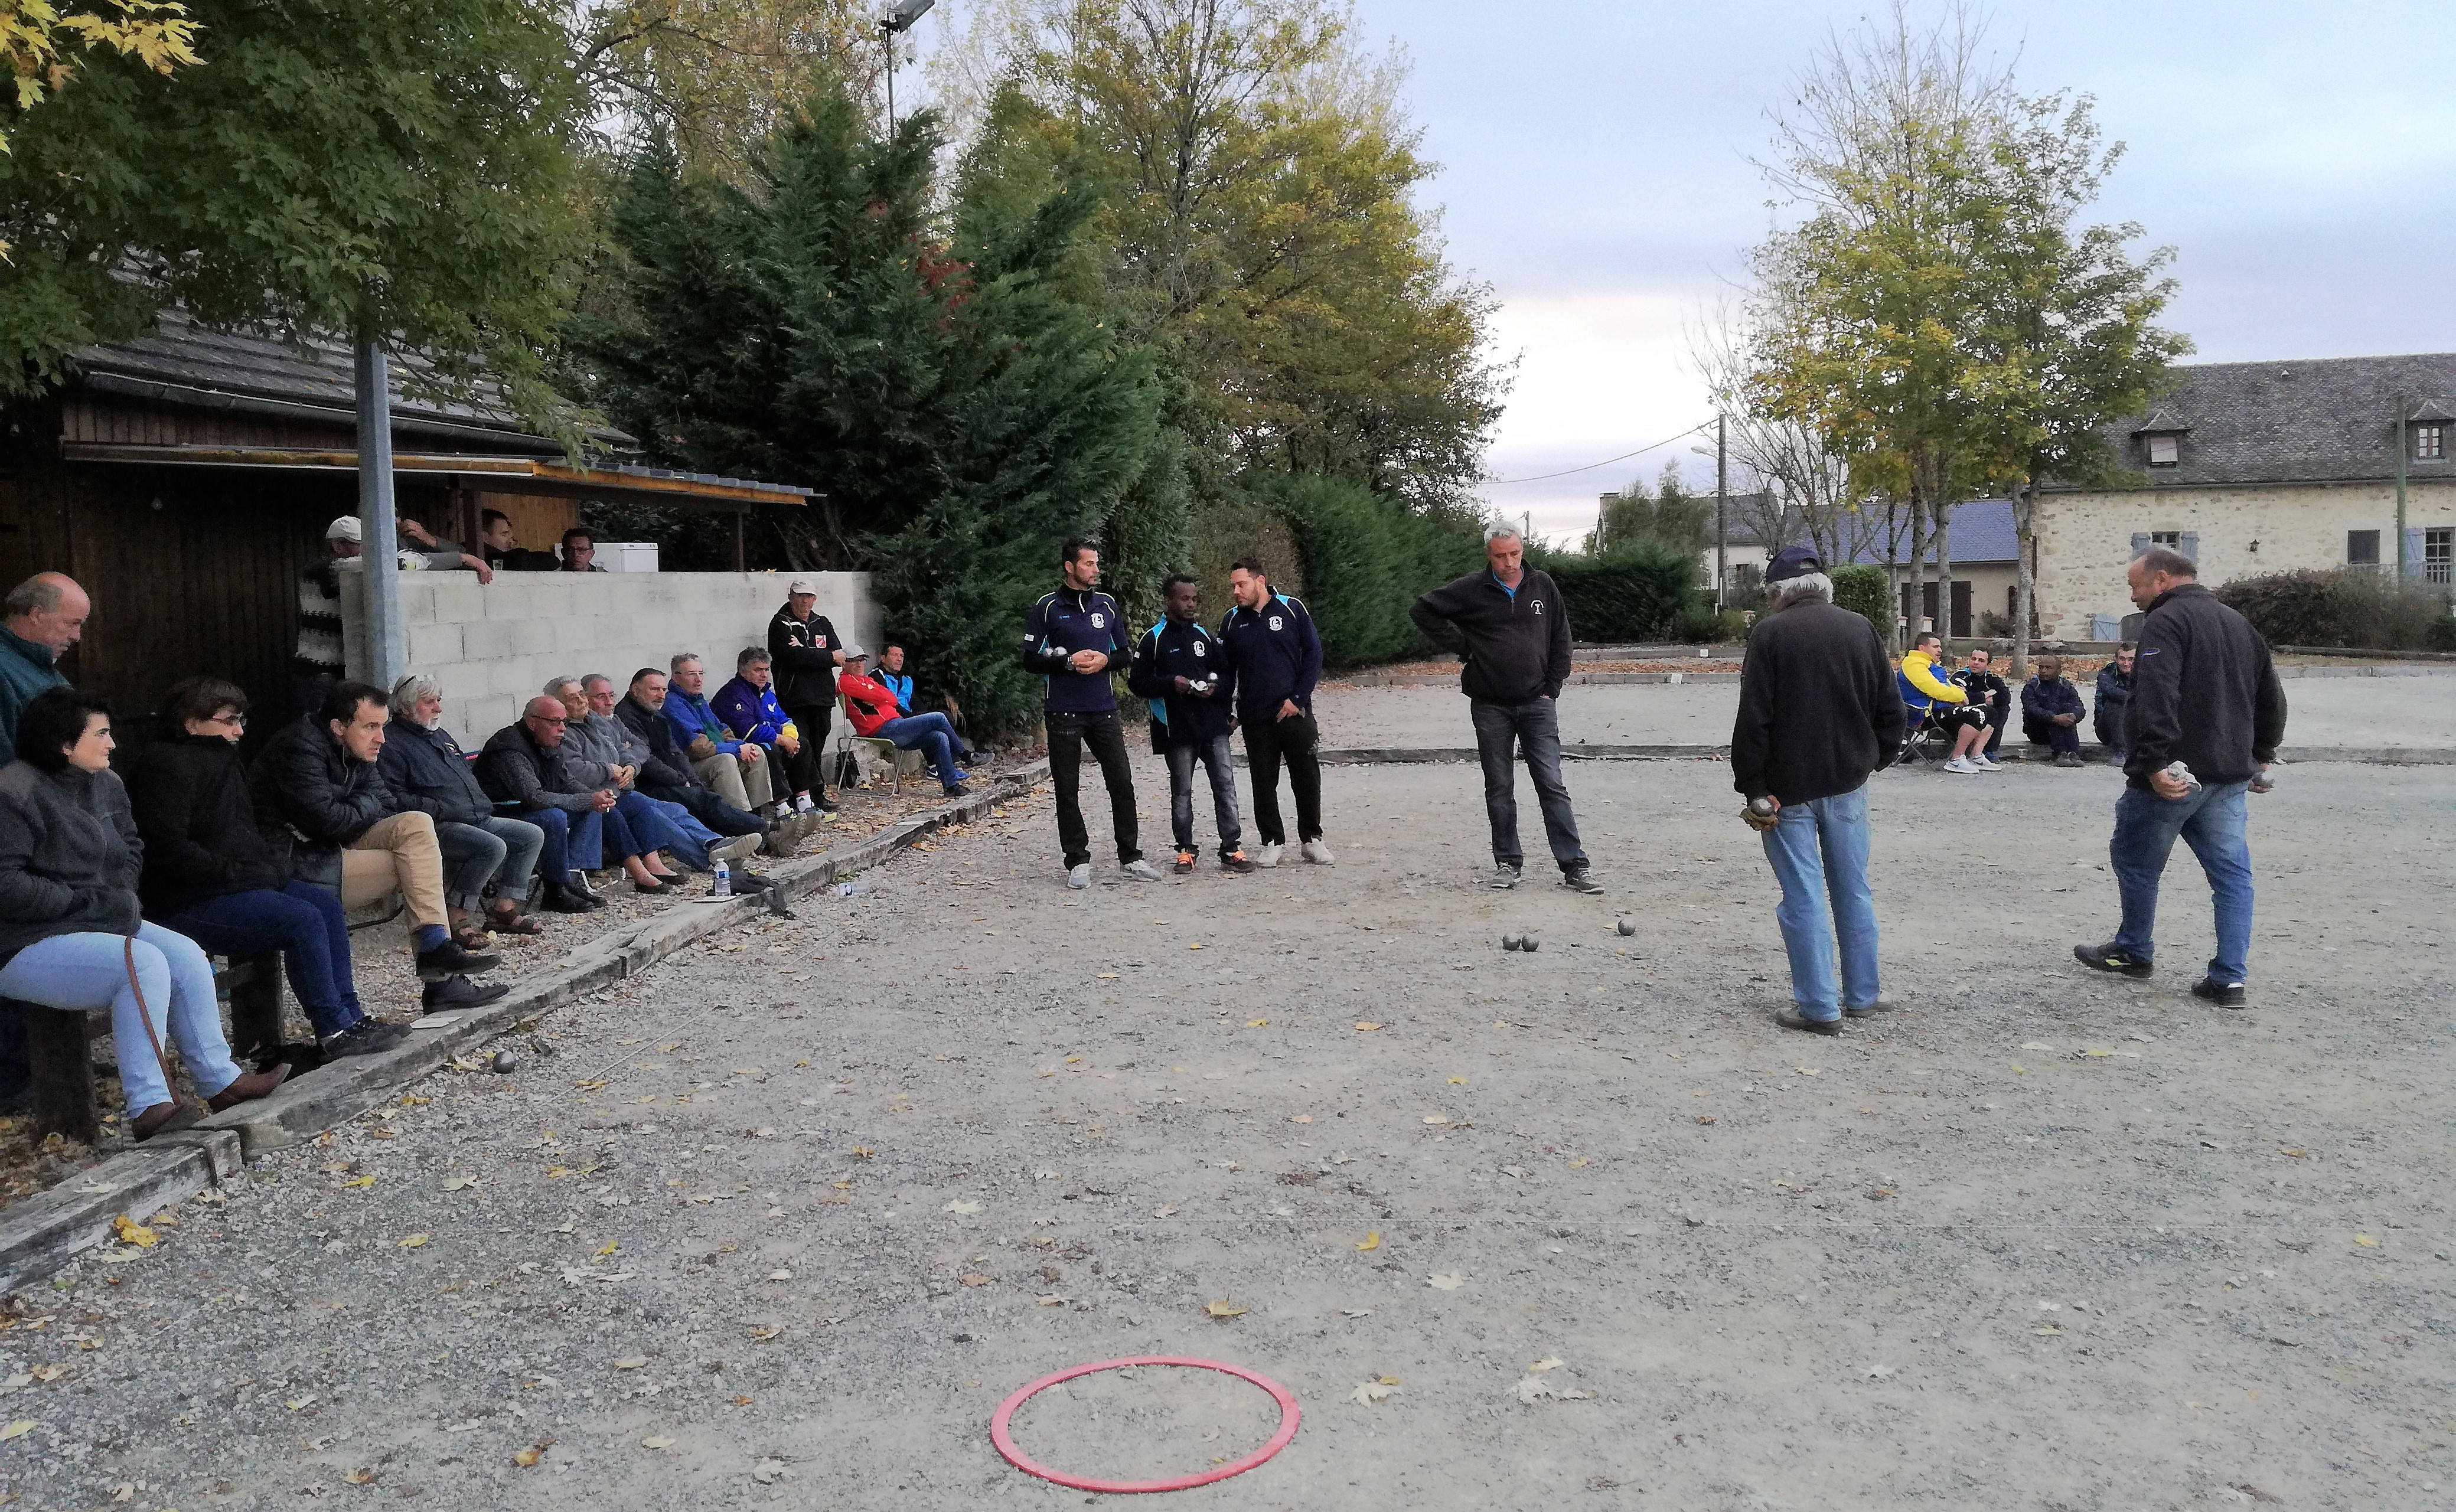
(805, 650)
(315, 663)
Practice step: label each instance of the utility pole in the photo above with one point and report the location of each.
(2401, 568)
(893, 24)
(1722, 491)
(379, 535)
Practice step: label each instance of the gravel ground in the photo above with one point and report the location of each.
(780, 1223)
(2364, 711)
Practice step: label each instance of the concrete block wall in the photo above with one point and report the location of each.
(493, 646)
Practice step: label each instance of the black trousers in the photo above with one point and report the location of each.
(1068, 735)
(1268, 742)
(805, 771)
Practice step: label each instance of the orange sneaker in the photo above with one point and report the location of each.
(1185, 863)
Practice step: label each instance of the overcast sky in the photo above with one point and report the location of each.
(1595, 170)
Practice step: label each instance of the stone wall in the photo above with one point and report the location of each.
(2244, 530)
(493, 646)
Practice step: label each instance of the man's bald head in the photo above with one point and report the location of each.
(49, 609)
(546, 718)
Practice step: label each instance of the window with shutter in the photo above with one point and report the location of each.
(2362, 548)
(2164, 451)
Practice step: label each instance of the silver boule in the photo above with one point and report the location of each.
(1513, 941)
(1534, 942)
(506, 1062)
(1627, 925)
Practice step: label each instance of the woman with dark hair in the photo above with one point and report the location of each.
(211, 874)
(71, 931)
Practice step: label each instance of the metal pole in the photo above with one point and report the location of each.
(1722, 487)
(379, 537)
(890, 32)
(2401, 568)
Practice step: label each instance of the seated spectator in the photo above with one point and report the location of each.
(211, 875)
(502, 550)
(427, 771)
(71, 935)
(2113, 697)
(664, 772)
(747, 705)
(1989, 692)
(580, 550)
(874, 713)
(738, 769)
(2051, 711)
(523, 763)
(593, 751)
(891, 676)
(319, 792)
(1925, 693)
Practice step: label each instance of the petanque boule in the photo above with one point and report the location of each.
(1531, 941)
(1513, 941)
(1626, 925)
(506, 1062)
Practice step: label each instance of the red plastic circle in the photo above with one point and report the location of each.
(1289, 1417)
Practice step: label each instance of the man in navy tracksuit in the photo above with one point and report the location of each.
(1183, 672)
(1075, 638)
(1276, 655)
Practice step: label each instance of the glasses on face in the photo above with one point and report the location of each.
(233, 721)
(543, 719)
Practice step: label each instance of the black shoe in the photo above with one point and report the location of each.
(958, 791)
(1578, 879)
(458, 992)
(823, 803)
(1184, 866)
(1794, 1018)
(653, 887)
(1879, 1005)
(364, 1037)
(2110, 958)
(562, 900)
(1237, 861)
(440, 962)
(2224, 994)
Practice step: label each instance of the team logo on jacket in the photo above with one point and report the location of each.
(1274, 621)
(1200, 649)
(1099, 621)
(1536, 604)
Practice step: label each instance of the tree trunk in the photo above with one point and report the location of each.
(1944, 574)
(2025, 517)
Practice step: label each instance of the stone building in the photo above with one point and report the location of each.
(2259, 467)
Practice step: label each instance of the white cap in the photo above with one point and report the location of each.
(345, 528)
(802, 585)
(854, 653)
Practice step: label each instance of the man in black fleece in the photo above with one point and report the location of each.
(1818, 712)
(1511, 627)
(2204, 694)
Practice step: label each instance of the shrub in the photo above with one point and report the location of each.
(1641, 591)
(2340, 607)
(1862, 590)
(1366, 560)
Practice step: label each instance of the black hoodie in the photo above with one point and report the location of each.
(201, 836)
(2204, 692)
(1516, 644)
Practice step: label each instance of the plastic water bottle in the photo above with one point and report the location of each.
(724, 887)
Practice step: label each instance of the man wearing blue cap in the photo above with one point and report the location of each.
(1818, 712)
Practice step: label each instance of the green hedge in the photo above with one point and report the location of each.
(2349, 608)
(1643, 591)
(1366, 560)
(1864, 591)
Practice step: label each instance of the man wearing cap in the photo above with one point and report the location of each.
(315, 660)
(1818, 712)
(874, 712)
(806, 651)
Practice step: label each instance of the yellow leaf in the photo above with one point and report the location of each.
(1372, 1241)
(591, 1086)
(359, 1181)
(134, 1233)
(1224, 1308)
(17, 1430)
(360, 1478)
(1365, 1028)
(2296, 1151)
(414, 1241)
(1255, 1023)
(416, 1101)
(1458, 1081)
(607, 1248)
(862, 1152)
(529, 1457)
(631, 1362)
(1579, 1164)
(552, 1172)
(1193, 947)
(2366, 1241)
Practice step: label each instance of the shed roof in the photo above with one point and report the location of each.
(1982, 532)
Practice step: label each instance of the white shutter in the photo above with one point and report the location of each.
(2413, 551)
(2190, 544)
(2140, 541)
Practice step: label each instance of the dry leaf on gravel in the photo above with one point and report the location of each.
(661, 1441)
(1168, 1212)
(1365, 1027)
(2366, 1241)
(17, 1430)
(1303, 1117)
(414, 1241)
(1436, 1118)
(1372, 1241)
(780, 1276)
(976, 1278)
(458, 1183)
(47, 1372)
(360, 1478)
(1224, 1308)
(1445, 1281)
(766, 1335)
(1258, 1023)
(1547, 1362)
(130, 1232)
(1532, 1389)
(1704, 1117)
(1370, 1392)
(631, 1362)
(963, 1207)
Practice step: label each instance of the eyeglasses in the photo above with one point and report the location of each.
(543, 719)
(233, 721)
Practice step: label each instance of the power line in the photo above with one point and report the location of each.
(1503, 482)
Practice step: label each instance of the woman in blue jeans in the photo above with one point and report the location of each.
(212, 874)
(71, 931)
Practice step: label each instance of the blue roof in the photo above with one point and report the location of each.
(1982, 531)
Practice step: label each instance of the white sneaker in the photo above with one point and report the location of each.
(1960, 764)
(1987, 762)
(1318, 853)
(1267, 856)
(1141, 870)
(804, 805)
(1080, 876)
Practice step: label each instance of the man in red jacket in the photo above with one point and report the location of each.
(874, 713)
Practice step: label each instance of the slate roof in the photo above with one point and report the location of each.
(2289, 421)
(1982, 532)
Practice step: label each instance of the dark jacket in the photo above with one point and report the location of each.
(1276, 653)
(2204, 692)
(68, 856)
(189, 793)
(1988, 693)
(664, 773)
(804, 655)
(2041, 701)
(1818, 707)
(1166, 652)
(1065, 622)
(26, 668)
(313, 798)
(513, 769)
(2114, 696)
(427, 771)
(1516, 646)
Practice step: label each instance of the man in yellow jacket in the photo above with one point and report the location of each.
(1921, 688)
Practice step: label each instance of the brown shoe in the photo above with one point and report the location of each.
(247, 1089)
(1794, 1018)
(506, 920)
(161, 1118)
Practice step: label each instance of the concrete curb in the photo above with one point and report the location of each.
(45, 1232)
(1575, 679)
(2291, 755)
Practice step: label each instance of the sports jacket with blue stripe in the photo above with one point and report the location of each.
(1277, 654)
(1065, 622)
(1166, 652)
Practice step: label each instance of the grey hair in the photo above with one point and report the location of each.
(1502, 530)
(554, 684)
(2168, 561)
(39, 594)
(681, 657)
(1807, 586)
(406, 693)
(595, 677)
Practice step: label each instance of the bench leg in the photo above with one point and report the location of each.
(255, 1007)
(59, 1050)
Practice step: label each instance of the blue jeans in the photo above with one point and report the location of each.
(652, 827)
(1818, 851)
(1217, 762)
(2212, 822)
(499, 849)
(1535, 730)
(91, 971)
(933, 735)
(303, 921)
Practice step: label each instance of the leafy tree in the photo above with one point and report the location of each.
(378, 168)
(1668, 516)
(42, 45)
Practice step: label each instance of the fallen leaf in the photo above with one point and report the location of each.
(1548, 1362)
(47, 1372)
(1704, 1117)
(1371, 1392)
(743, 1402)
(1458, 1081)
(591, 1086)
(1445, 1281)
(414, 1241)
(17, 1430)
(414, 1101)
(1048, 1301)
(2046, 1330)
(134, 1233)
(963, 1207)
(661, 1441)
(1251, 1023)
(1807, 1070)
(976, 1278)
(2042, 1048)
(458, 1183)
(631, 1362)
(1579, 1164)
(1303, 1117)
(300, 1403)
(1372, 1241)
(863, 1151)
(780, 1276)
(2366, 1241)
(605, 1249)
(1365, 1026)
(360, 1478)
(766, 1335)
(1168, 1212)
(1436, 1118)
(2297, 1152)
(1223, 1308)
(359, 1181)
(1532, 1389)
(1108, 976)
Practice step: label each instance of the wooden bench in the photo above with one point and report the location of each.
(59, 1045)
